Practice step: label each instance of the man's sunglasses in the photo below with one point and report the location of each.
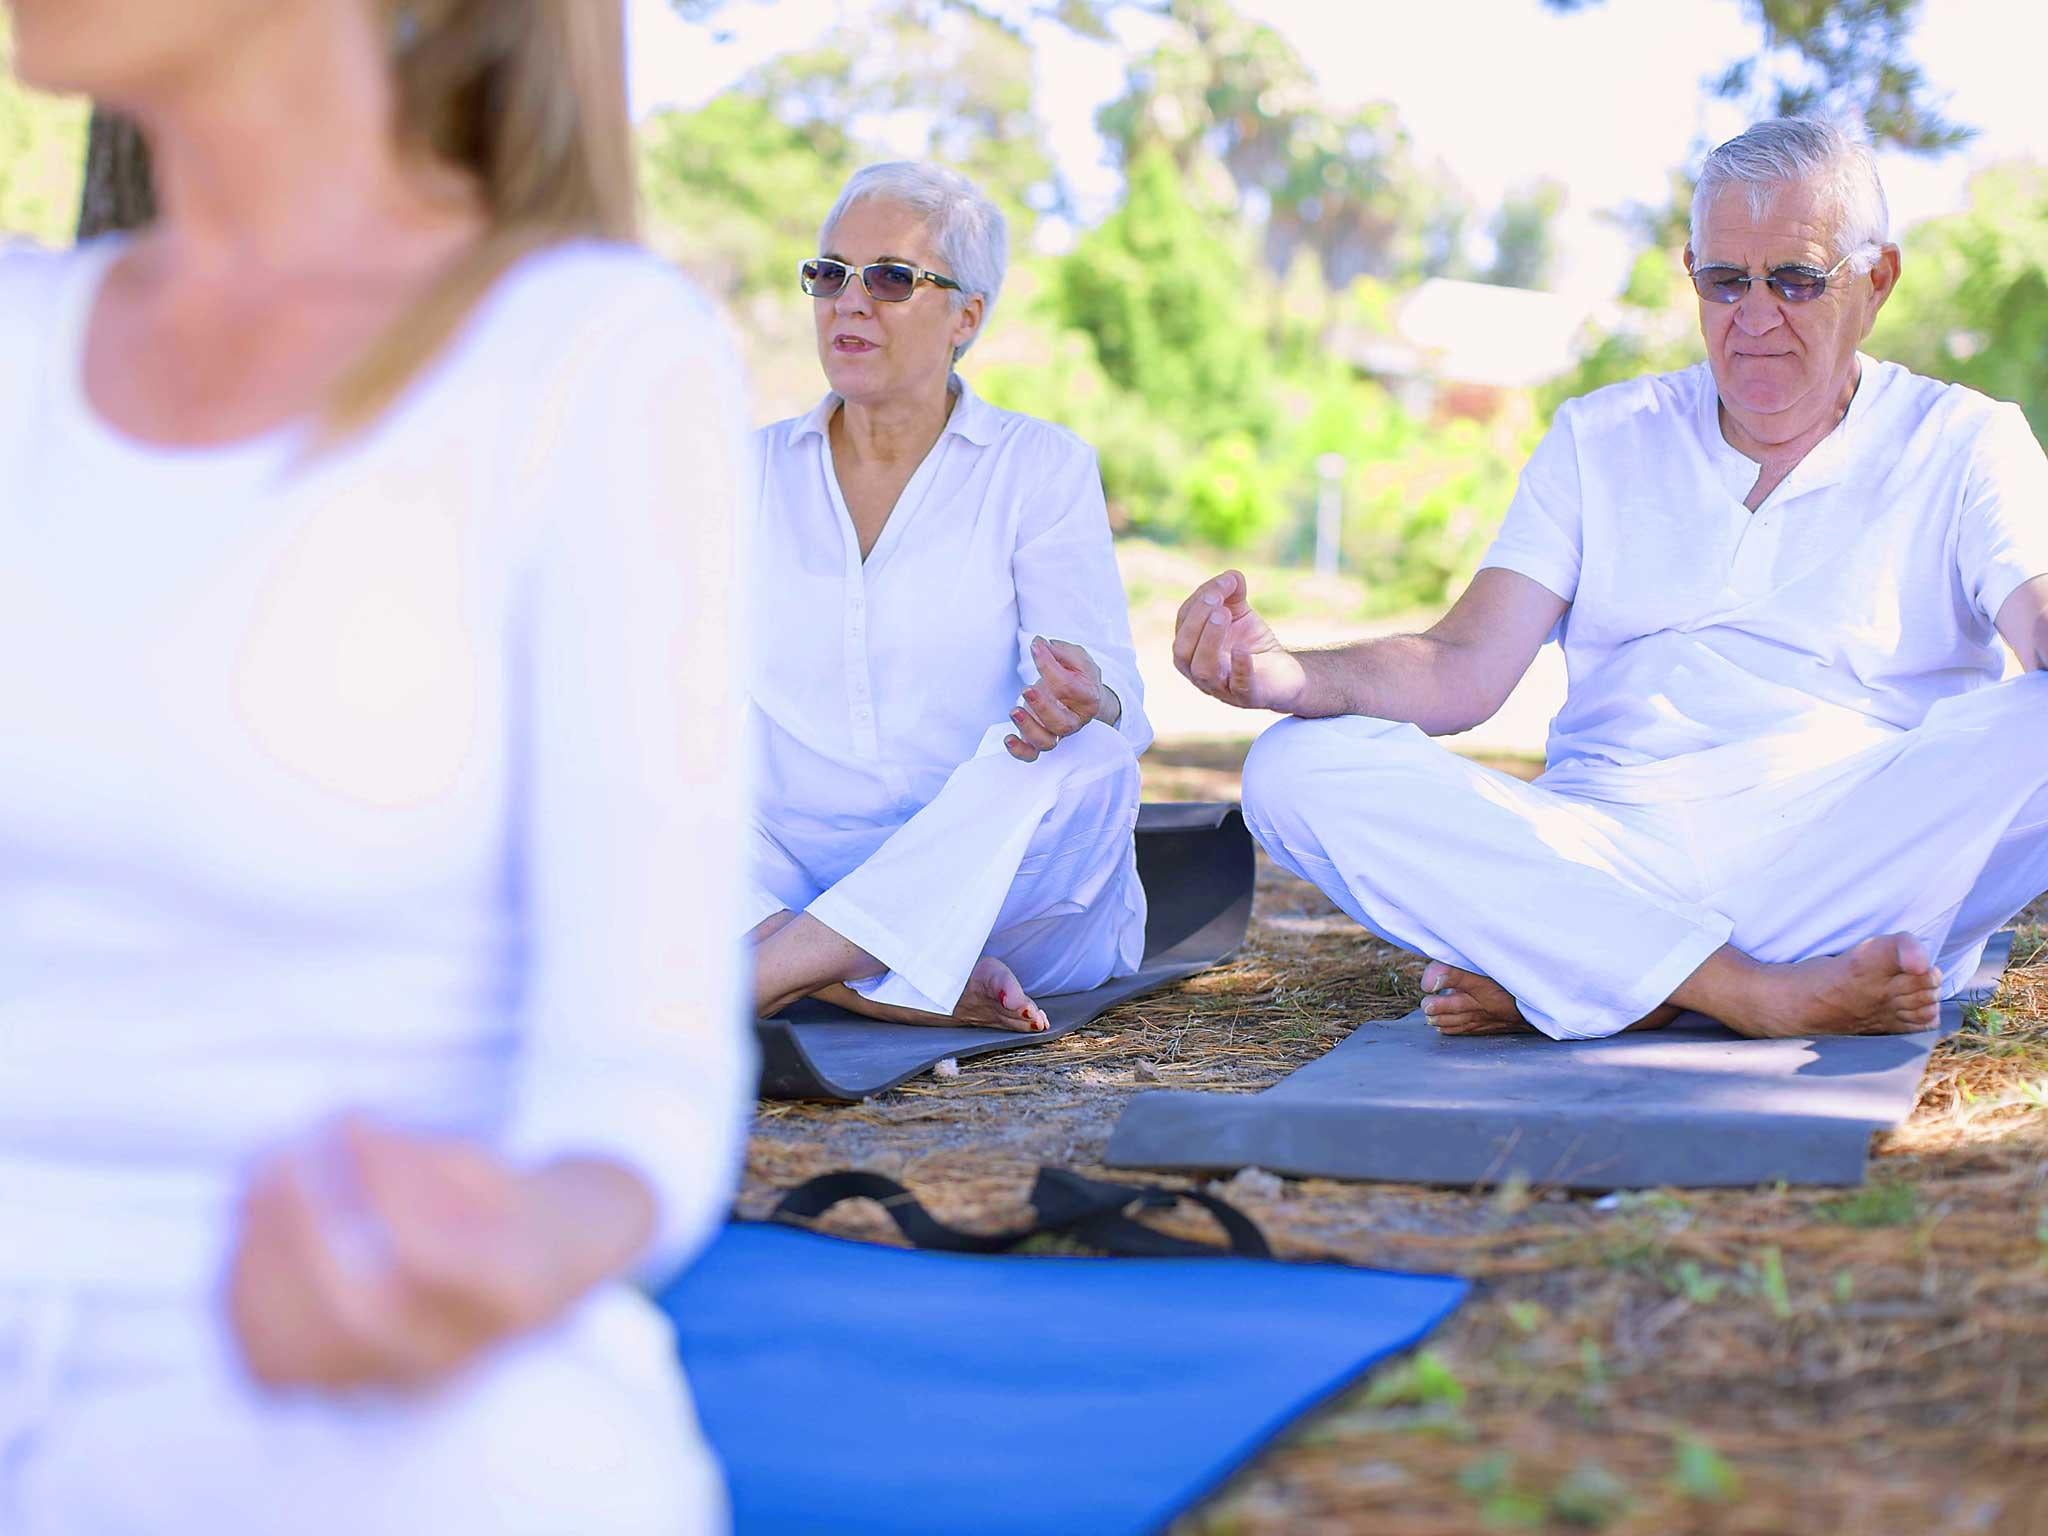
(1793, 284)
(887, 282)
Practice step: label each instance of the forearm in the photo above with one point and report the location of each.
(600, 1215)
(1418, 678)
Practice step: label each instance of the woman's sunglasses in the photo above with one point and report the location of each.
(887, 282)
(1793, 284)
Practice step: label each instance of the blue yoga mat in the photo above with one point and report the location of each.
(849, 1387)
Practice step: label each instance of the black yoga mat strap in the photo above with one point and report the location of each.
(1088, 1210)
(1093, 1210)
(814, 1197)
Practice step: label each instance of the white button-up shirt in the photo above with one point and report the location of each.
(873, 680)
(1861, 592)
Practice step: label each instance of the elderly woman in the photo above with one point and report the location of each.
(930, 844)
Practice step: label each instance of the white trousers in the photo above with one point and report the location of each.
(1592, 893)
(127, 1416)
(1030, 863)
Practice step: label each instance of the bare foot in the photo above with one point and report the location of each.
(992, 999)
(1887, 986)
(1467, 1003)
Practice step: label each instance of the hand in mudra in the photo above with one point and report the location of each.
(1067, 695)
(369, 1257)
(1223, 647)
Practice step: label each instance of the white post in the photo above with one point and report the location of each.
(1329, 512)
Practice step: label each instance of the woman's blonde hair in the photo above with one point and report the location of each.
(529, 98)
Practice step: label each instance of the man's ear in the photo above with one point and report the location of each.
(1688, 257)
(1884, 278)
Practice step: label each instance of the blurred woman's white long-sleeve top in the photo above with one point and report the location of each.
(399, 777)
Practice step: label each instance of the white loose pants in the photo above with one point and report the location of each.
(126, 1415)
(1030, 863)
(1594, 892)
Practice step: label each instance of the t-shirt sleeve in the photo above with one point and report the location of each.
(1542, 535)
(2002, 541)
(1068, 585)
(630, 796)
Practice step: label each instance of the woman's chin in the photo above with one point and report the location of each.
(852, 375)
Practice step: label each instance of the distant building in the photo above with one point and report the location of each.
(1462, 349)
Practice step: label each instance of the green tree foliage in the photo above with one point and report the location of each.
(1845, 59)
(1227, 492)
(740, 190)
(742, 183)
(42, 148)
(735, 190)
(1192, 336)
(1656, 325)
(1972, 303)
(1162, 287)
(1524, 241)
(935, 79)
(1233, 104)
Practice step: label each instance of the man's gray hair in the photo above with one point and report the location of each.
(970, 240)
(1787, 151)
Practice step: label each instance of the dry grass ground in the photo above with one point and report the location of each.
(1751, 1363)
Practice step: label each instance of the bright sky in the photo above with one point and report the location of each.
(1502, 93)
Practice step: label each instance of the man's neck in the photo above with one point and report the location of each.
(1776, 459)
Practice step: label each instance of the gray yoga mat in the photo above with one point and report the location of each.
(1196, 863)
(1692, 1106)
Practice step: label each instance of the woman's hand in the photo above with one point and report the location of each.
(1067, 695)
(1223, 647)
(374, 1258)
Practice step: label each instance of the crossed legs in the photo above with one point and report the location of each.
(1852, 896)
(805, 952)
(1018, 878)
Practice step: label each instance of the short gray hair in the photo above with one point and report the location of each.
(968, 233)
(1785, 151)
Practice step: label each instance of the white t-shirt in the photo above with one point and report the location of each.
(873, 680)
(1859, 594)
(396, 779)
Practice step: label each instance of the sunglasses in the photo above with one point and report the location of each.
(1793, 284)
(887, 282)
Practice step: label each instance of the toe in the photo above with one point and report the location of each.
(1457, 1019)
(1913, 956)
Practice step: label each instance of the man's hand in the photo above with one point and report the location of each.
(1223, 647)
(373, 1258)
(1067, 695)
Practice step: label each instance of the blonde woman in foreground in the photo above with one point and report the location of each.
(368, 851)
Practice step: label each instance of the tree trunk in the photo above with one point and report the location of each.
(118, 191)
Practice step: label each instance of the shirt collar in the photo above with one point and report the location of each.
(972, 417)
(1825, 462)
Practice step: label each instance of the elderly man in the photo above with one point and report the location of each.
(1787, 788)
